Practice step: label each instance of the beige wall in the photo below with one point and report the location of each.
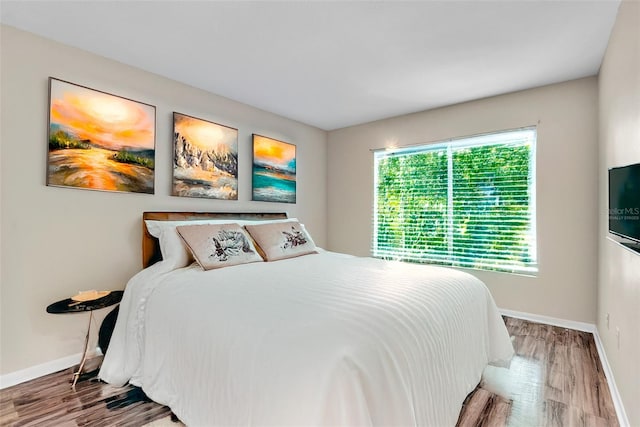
(566, 115)
(619, 278)
(57, 241)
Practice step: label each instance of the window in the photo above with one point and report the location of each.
(468, 202)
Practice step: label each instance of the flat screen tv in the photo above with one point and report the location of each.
(624, 202)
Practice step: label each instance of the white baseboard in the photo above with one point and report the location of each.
(563, 323)
(617, 400)
(585, 327)
(46, 368)
(37, 371)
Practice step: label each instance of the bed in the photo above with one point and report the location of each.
(318, 339)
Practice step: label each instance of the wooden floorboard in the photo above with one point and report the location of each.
(50, 401)
(555, 379)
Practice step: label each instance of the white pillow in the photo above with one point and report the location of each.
(173, 249)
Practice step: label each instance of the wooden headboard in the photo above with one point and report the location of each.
(151, 247)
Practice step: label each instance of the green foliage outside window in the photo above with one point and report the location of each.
(459, 205)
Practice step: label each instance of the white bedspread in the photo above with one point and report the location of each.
(324, 339)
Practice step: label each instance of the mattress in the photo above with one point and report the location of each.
(322, 339)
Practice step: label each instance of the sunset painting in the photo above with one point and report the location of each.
(274, 170)
(99, 141)
(205, 162)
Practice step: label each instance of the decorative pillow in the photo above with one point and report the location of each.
(173, 248)
(282, 240)
(219, 245)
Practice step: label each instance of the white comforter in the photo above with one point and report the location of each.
(322, 339)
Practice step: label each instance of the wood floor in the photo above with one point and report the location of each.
(555, 379)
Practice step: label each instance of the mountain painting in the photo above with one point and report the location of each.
(274, 170)
(205, 162)
(99, 141)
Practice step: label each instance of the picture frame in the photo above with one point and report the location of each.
(205, 159)
(274, 170)
(99, 141)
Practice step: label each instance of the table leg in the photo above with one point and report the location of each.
(76, 375)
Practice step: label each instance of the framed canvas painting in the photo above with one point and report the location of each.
(99, 141)
(274, 170)
(205, 159)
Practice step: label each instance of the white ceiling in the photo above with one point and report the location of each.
(336, 64)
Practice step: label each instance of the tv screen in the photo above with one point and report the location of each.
(624, 201)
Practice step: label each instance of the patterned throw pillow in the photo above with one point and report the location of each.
(282, 240)
(219, 245)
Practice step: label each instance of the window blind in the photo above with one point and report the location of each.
(468, 202)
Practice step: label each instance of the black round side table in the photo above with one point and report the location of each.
(70, 306)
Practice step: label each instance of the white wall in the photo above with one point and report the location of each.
(619, 278)
(567, 209)
(57, 241)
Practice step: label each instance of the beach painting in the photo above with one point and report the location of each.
(205, 161)
(274, 170)
(99, 141)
